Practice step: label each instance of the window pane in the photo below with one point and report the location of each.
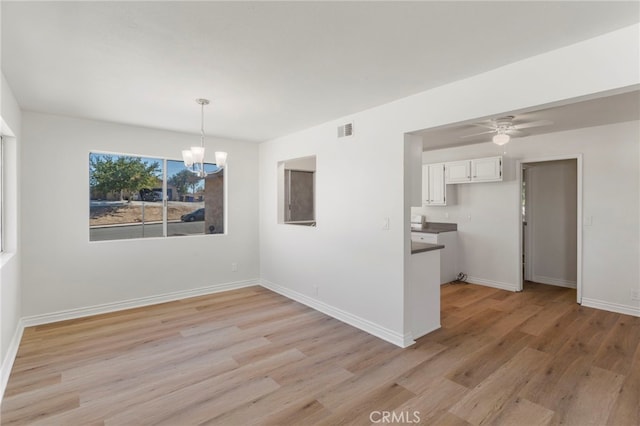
(195, 205)
(125, 197)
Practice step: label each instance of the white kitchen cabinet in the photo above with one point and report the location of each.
(458, 171)
(475, 170)
(448, 256)
(433, 186)
(486, 169)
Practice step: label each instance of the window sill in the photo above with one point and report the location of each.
(311, 223)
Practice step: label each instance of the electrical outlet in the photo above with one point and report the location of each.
(635, 294)
(234, 267)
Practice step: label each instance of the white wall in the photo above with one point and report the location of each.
(352, 261)
(10, 289)
(611, 197)
(62, 270)
(551, 191)
(358, 267)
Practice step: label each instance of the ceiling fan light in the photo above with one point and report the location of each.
(501, 139)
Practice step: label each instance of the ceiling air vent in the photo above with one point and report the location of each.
(345, 130)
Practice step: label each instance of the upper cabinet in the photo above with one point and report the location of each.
(458, 171)
(486, 169)
(476, 170)
(433, 186)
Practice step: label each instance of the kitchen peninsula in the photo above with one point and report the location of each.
(440, 233)
(423, 289)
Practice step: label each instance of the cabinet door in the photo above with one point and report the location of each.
(425, 184)
(458, 172)
(486, 169)
(436, 184)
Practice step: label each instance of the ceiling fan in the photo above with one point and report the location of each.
(504, 128)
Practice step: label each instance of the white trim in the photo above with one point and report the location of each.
(528, 231)
(133, 303)
(6, 256)
(612, 307)
(492, 283)
(10, 357)
(5, 130)
(553, 281)
(408, 340)
(579, 213)
(402, 340)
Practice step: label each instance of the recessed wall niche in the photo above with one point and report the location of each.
(297, 191)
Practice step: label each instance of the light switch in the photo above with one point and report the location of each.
(588, 220)
(385, 224)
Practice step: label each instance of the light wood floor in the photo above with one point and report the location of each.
(253, 357)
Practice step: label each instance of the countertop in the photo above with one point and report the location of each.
(422, 247)
(436, 227)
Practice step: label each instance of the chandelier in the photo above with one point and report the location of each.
(194, 158)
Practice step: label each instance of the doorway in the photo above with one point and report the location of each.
(550, 230)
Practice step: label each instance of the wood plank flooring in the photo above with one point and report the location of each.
(251, 356)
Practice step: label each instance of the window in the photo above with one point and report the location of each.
(194, 205)
(296, 191)
(143, 197)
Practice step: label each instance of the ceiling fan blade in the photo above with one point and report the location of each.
(533, 124)
(488, 125)
(514, 132)
(477, 134)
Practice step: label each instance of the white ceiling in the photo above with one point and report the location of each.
(603, 110)
(270, 68)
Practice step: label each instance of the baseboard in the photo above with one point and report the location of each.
(408, 340)
(10, 357)
(553, 281)
(401, 340)
(612, 307)
(424, 333)
(133, 303)
(491, 283)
